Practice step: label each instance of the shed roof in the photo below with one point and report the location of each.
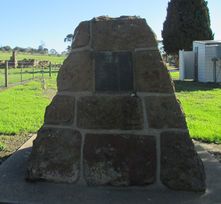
(209, 42)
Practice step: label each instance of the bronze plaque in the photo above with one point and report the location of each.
(113, 71)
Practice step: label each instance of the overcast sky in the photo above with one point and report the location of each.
(29, 23)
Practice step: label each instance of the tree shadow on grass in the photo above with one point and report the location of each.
(194, 86)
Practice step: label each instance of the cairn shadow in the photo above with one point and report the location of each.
(191, 86)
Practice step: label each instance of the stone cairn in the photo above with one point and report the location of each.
(115, 119)
(13, 60)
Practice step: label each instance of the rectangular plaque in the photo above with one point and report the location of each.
(113, 71)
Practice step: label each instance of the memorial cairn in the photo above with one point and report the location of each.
(115, 119)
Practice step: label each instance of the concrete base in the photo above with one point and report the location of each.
(14, 189)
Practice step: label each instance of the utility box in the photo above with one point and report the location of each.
(207, 62)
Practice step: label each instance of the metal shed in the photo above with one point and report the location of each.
(205, 63)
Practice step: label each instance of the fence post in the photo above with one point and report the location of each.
(42, 72)
(33, 72)
(50, 69)
(21, 72)
(6, 73)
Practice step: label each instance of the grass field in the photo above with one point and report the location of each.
(22, 111)
(174, 75)
(22, 107)
(202, 107)
(21, 56)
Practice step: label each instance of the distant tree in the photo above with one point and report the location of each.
(19, 49)
(40, 48)
(29, 49)
(64, 53)
(68, 38)
(6, 48)
(186, 21)
(68, 49)
(53, 52)
(45, 50)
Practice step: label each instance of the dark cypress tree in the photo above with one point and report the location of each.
(186, 21)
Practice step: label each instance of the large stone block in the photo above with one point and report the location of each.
(119, 160)
(181, 167)
(164, 112)
(150, 73)
(60, 111)
(76, 74)
(125, 33)
(109, 112)
(55, 156)
(81, 35)
(148, 59)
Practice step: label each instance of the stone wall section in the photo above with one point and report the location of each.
(119, 139)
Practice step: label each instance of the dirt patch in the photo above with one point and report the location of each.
(213, 149)
(49, 93)
(11, 143)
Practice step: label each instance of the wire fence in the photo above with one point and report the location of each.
(11, 76)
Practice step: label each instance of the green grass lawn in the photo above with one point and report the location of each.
(202, 106)
(175, 75)
(21, 56)
(22, 110)
(22, 107)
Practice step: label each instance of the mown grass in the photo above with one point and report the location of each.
(22, 107)
(202, 107)
(175, 75)
(201, 103)
(21, 56)
(22, 110)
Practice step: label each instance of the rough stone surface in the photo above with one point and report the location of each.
(110, 112)
(164, 112)
(76, 73)
(60, 111)
(151, 74)
(55, 156)
(81, 35)
(121, 34)
(119, 160)
(181, 167)
(115, 90)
